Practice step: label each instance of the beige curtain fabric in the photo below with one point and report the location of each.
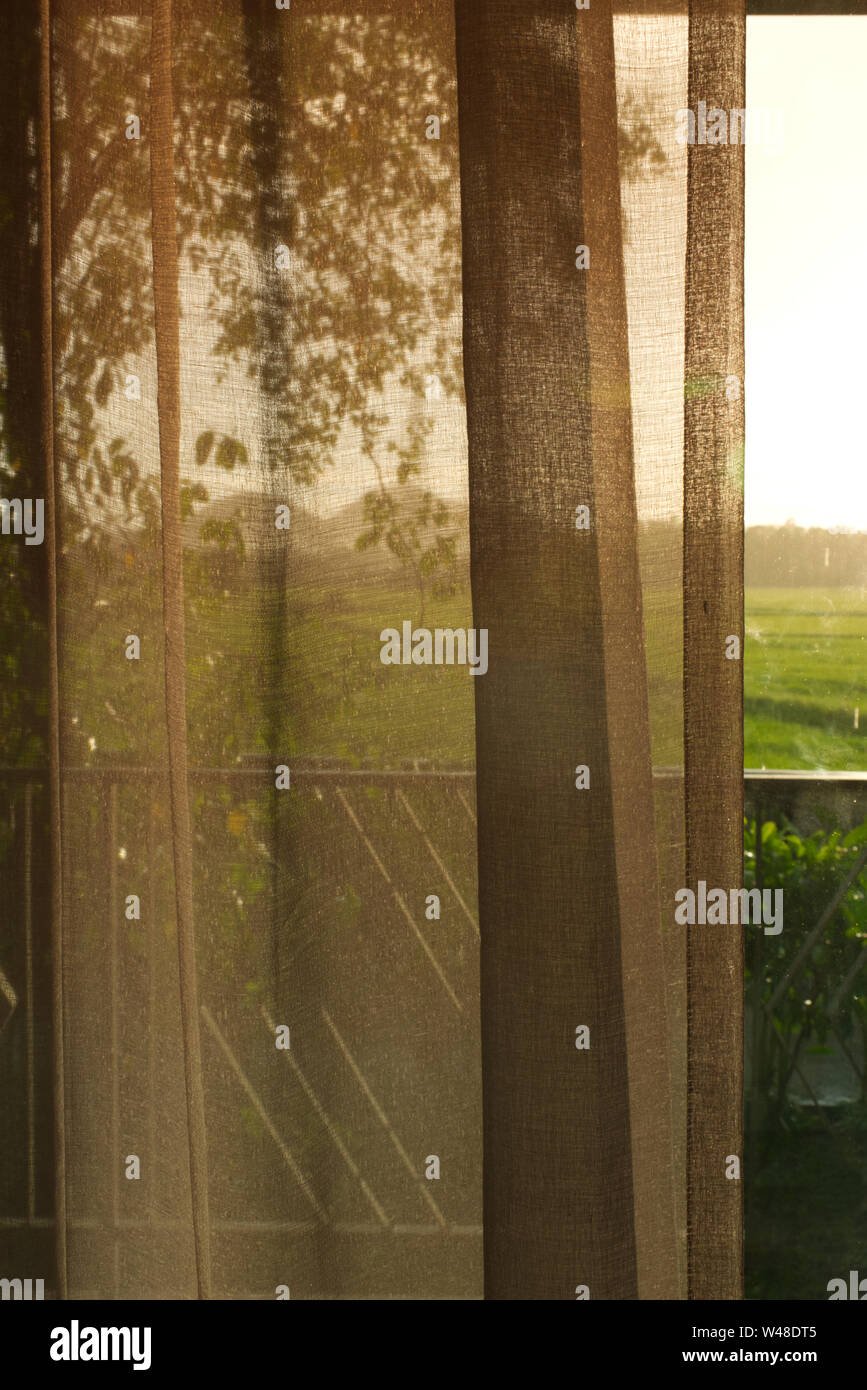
(584, 1153)
(713, 689)
(334, 334)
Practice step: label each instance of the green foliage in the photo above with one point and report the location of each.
(810, 870)
(414, 537)
(639, 150)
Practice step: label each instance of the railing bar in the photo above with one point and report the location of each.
(785, 774)
(856, 967)
(28, 994)
(285, 1152)
(467, 807)
(310, 768)
(330, 1128)
(850, 1059)
(796, 1068)
(439, 863)
(816, 931)
(370, 1228)
(384, 1120)
(152, 940)
(115, 1035)
(757, 1107)
(400, 902)
(93, 1295)
(265, 771)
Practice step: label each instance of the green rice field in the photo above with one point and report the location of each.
(805, 679)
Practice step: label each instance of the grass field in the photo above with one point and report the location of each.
(385, 713)
(310, 680)
(805, 674)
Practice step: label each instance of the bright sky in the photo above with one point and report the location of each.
(806, 275)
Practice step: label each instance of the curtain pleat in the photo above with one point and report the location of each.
(615, 522)
(568, 879)
(568, 882)
(713, 607)
(167, 334)
(53, 731)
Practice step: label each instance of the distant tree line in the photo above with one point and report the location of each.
(793, 555)
(774, 556)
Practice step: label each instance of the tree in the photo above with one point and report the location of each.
(347, 191)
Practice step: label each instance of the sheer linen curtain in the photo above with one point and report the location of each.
(339, 954)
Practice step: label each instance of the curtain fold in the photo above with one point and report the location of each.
(400, 323)
(53, 728)
(548, 401)
(168, 370)
(578, 1167)
(713, 608)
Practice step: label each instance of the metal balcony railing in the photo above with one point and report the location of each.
(424, 799)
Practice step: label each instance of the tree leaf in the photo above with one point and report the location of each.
(204, 445)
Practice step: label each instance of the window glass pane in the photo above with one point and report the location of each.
(805, 655)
